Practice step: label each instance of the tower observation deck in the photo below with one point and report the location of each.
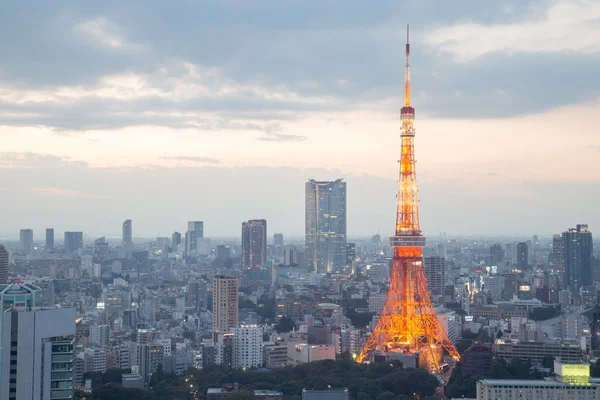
(408, 322)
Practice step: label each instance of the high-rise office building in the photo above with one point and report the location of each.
(325, 233)
(223, 253)
(435, 272)
(49, 239)
(577, 257)
(290, 255)
(194, 232)
(558, 250)
(73, 241)
(254, 243)
(99, 335)
(511, 253)
(350, 253)
(26, 240)
(225, 304)
(175, 241)
(3, 264)
(127, 232)
(36, 353)
(278, 246)
(127, 238)
(522, 255)
(497, 254)
(139, 261)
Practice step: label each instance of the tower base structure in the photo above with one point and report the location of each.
(408, 326)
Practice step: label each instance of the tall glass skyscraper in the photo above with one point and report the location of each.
(195, 231)
(325, 238)
(577, 257)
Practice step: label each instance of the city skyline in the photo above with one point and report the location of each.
(491, 131)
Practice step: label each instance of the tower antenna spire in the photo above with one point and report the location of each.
(407, 72)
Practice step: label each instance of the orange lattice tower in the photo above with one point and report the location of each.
(408, 322)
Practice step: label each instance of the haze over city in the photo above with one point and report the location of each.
(221, 112)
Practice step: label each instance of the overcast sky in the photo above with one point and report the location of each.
(165, 112)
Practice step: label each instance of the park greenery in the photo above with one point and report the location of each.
(464, 385)
(376, 381)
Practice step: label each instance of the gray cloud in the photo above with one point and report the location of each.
(304, 49)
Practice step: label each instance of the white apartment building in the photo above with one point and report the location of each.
(247, 346)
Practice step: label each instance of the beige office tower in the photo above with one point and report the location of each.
(225, 304)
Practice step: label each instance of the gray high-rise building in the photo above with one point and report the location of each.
(73, 241)
(522, 255)
(175, 241)
(26, 240)
(37, 347)
(194, 232)
(558, 250)
(225, 312)
(325, 234)
(127, 232)
(435, 273)
(3, 264)
(496, 253)
(278, 246)
(254, 243)
(49, 239)
(577, 257)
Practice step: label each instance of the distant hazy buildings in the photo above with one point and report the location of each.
(290, 255)
(522, 255)
(3, 264)
(175, 241)
(127, 237)
(557, 252)
(325, 234)
(496, 254)
(577, 257)
(139, 260)
(435, 272)
(26, 240)
(49, 239)
(195, 231)
(254, 243)
(73, 241)
(225, 304)
(278, 246)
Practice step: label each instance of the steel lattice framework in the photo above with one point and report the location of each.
(408, 322)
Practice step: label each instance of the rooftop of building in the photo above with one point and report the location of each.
(529, 383)
(325, 394)
(267, 393)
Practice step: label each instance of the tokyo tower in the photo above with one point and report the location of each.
(408, 323)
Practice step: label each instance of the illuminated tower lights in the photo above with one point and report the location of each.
(408, 321)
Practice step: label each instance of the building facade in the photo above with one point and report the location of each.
(577, 257)
(325, 233)
(225, 304)
(36, 357)
(435, 272)
(49, 239)
(73, 241)
(3, 264)
(26, 240)
(254, 243)
(195, 231)
(247, 347)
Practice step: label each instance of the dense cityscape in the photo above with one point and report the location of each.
(176, 306)
(269, 315)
